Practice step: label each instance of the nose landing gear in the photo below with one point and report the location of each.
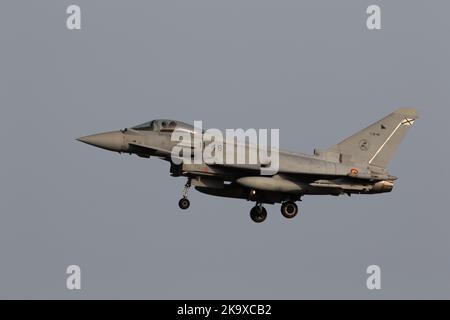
(184, 202)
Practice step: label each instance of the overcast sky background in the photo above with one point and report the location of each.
(310, 68)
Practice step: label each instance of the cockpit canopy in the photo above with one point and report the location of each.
(164, 125)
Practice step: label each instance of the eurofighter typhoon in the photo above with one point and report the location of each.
(356, 165)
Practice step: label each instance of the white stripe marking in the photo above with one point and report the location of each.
(390, 136)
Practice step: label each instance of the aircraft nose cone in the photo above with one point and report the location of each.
(112, 141)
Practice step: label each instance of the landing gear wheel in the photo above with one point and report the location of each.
(258, 213)
(289, 209)
(184, 203)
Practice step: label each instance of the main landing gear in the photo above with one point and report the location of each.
(184, 202)
(258, 213)
(289, 209)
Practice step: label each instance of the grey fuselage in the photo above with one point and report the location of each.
(298, 174)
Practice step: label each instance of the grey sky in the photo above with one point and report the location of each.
(310, 68)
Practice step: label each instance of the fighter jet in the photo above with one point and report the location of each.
(356, 165)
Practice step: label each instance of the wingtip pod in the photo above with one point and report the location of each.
(407, 112)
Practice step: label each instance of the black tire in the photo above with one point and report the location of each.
(289, 209)
(184, 203)
(258, 214)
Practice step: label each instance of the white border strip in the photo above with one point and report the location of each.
(390, 136)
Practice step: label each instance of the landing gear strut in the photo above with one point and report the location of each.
(184, 202)
(289, 209)
(258, 213)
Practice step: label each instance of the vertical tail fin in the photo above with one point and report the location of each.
(376, 144)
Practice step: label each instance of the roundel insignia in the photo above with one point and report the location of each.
(354, 171)
(364, 145)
